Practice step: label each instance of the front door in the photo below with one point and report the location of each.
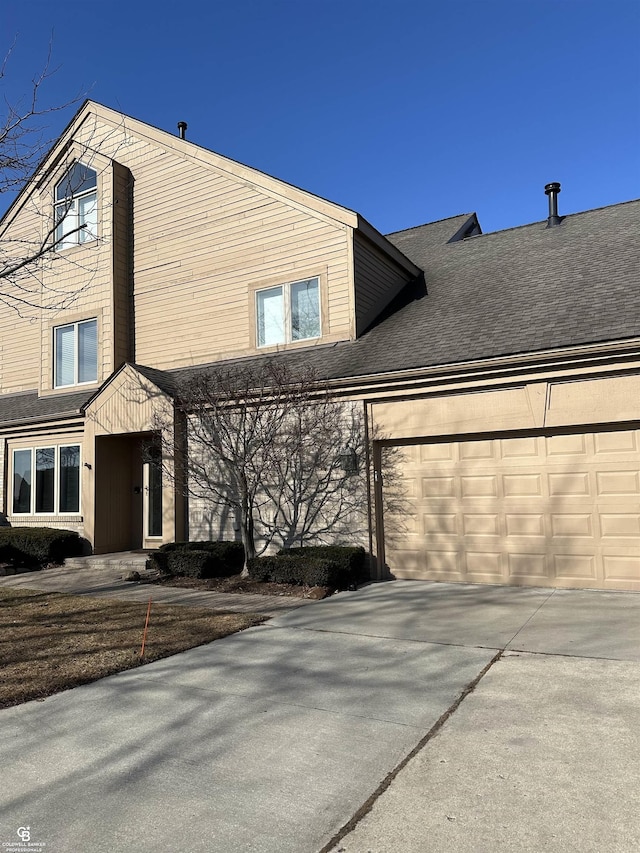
(119, 493)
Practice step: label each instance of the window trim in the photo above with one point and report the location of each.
(286, 288)
(75, 324)
(66, 204)
(33, 449)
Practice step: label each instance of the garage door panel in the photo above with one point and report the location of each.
(567, 445)
(528, 565)
(522, 485)
(620, 525)
(557, 510)
(522, 524)
(436, 452)
(569, 484)
(436, 487)
(623, 441)
(619, 482)
(575, 566)
(478, 450)
(434, 524)
(479, 486)
(484, 524)
(622, 567)
(520, 449)
(572, 525)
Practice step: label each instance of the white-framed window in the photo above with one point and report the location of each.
(46, 480)
(288, 312)
(75, 347)
(76, 207)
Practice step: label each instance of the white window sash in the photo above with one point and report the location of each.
(75, 354)
(57, 480)
(288, 313)
(270, 313)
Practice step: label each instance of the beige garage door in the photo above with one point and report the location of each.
(557, 510)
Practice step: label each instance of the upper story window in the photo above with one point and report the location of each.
(75, 353)
(289, 312)
(76, 207)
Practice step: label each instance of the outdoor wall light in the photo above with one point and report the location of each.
(348, 461)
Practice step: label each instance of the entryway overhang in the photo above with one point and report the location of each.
(131, 499)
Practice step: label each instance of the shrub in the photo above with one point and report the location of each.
(38, 545)
(158, 562)
(231, 553)
(313, 571)
(351, 559)
(191, 564)
(186, 558)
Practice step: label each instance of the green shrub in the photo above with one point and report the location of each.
(38, 545)
(351, 559)
(191, 564)
(158, 562)
(229, 553)
(198, 559)
(313, 571)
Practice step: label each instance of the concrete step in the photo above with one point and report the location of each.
(124, 561)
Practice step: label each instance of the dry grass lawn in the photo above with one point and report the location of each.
(52, 641)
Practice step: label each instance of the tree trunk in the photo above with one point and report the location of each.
(246, 533)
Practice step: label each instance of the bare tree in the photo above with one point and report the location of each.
(274, 450)
(316, 491)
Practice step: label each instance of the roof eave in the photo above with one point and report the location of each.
(367, 230)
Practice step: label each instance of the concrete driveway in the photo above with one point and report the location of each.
(294, 736)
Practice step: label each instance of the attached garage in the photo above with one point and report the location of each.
(550, 508)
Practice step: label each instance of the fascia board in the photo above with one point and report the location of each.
(367, 230)
(610, 352)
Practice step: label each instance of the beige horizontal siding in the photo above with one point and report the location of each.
(203, 243)
(203, 240)
(20, 323)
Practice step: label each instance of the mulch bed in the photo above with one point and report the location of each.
(236, 583)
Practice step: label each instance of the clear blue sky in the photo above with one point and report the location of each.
(407, 111)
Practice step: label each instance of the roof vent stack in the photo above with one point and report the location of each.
(552, 191)
(182, 131)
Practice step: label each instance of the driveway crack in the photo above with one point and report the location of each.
(366, 807)
(524, 625)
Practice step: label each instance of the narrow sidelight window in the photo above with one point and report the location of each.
(70, 478)
(22, 481)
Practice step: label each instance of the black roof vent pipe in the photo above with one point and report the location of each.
(182, 131)
(552, 191)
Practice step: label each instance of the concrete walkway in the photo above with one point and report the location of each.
(106, 581)
(293, 737)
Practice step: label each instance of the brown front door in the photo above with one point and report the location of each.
(119, 493)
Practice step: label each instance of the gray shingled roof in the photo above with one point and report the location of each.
(521, 290)
(28, 407)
